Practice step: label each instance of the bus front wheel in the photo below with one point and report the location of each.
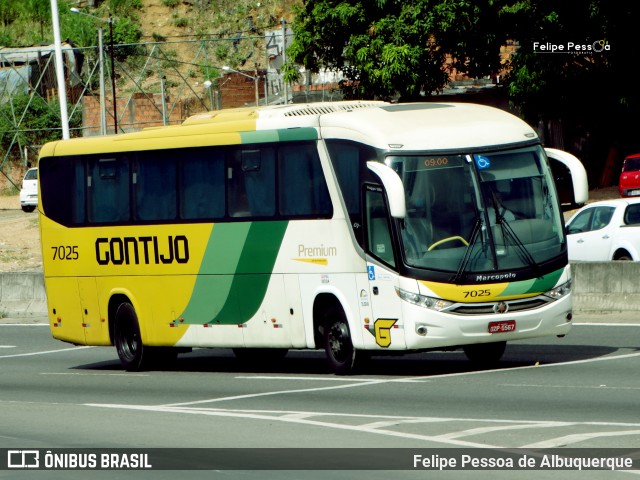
(485, 353)
(342, 356)
(128, 340)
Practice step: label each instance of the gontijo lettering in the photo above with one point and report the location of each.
(127, 250)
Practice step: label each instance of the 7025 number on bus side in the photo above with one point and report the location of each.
(65, 252)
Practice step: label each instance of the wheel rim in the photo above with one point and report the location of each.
(339, 342)
(129, 341)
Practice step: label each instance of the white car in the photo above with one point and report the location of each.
(29, 191)
(605, 230)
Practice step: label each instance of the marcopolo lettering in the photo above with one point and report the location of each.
(147, 250)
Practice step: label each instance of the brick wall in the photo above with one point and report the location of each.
(145, 110)
(238, 91)
(134, 113)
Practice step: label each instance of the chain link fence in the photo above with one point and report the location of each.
(156, 83)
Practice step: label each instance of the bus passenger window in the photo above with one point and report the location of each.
(251, 183)
(302, 189)
(155, 186)
(108, 190)
(202, 188)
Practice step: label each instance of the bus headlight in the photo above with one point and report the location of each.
(559, 291)
(423, 301)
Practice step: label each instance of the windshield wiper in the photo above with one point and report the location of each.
(467, 253)
(524, 254)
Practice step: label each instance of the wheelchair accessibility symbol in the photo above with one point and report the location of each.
(482, 162)
(372, 272)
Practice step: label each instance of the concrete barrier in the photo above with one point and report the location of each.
(22, 295)
(597, 287)
(606, 286)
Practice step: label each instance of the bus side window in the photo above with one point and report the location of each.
(154, 183)
(378, 232)
(202, 186)
(108, 190)
(302, 189)
(251, 183)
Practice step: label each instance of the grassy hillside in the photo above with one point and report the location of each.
(27, 23)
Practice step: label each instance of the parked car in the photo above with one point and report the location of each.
(605, 230)
(29, 191)
(629, 183)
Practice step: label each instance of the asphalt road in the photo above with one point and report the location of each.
(580, 391)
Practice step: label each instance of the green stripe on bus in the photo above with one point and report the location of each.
(284, 135)
(235, 272)
(536, 285)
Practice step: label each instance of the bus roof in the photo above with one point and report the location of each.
(430, 126)
(400, 127)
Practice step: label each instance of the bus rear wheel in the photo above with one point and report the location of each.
(128, 340)
(342, 356)
(485, 353)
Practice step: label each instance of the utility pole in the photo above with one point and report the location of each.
(113, 77)
(62, 91)
(284, 58)
(103, 109)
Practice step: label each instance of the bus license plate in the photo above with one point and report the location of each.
(502, 327)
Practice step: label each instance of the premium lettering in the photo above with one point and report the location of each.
(317, 251)
(147, 250)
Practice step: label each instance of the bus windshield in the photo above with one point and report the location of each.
(475, 213)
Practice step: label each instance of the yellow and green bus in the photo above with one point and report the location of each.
(362, 228)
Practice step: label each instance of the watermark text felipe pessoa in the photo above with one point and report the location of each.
(571, 47)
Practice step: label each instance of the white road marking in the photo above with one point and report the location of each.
(24, 324)
(518, 426)
(79, 374)
(334, 379)
(43, 353)
(364, 382)
(589, 387)
(7, 346)
(312, 419)
(606, 324)
(320, 379)
(278, 392)
(577, 438)
(292, 419)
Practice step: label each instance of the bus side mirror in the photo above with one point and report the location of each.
(393, 186)
(570, 178)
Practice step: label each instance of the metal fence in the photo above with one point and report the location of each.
(156, 83)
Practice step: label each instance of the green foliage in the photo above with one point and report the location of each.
(126, 31)
(9, 12)
(394, 47)
(81, 30)
(582, 88)
(181, 22)
(124, 7)
(41, 123)
(290, 73)
(39, 10)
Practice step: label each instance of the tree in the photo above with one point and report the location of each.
(394, 47)
(586, 82)
(40, 10)
(36, 125)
